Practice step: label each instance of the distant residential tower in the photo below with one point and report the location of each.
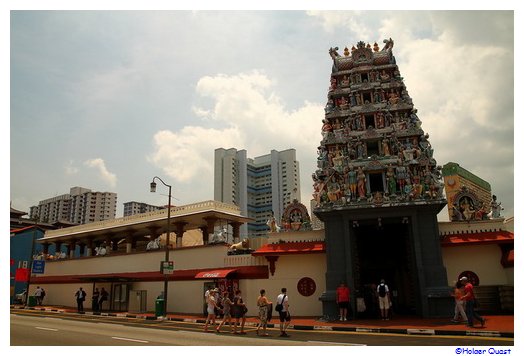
(261, 187)
(133, 208)
(80, 206)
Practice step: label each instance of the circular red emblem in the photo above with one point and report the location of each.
(306, 286)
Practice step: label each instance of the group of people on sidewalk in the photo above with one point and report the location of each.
(465, 303)
(382, 293)
(97, 299)
(237, 309)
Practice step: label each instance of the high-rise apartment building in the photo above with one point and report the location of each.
(261, 187)
(133, 208)
(80, 206)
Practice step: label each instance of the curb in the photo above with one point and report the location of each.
(428, 332)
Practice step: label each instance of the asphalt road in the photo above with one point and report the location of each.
(32, 328)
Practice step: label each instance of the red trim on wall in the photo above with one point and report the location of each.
(243, 272)
(498, 237)
(291, 248)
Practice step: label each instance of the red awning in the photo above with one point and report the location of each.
(291, 248)
(214, 273)
(497, 237)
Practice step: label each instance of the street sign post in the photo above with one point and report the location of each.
(167, 267)
(38, 266)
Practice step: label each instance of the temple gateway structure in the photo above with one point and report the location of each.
(378, 188)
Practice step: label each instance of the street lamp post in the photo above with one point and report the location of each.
(31, 260)
(153, 189)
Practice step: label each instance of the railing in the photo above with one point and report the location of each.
(244, 260)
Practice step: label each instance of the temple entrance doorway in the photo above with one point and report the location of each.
(384, 251)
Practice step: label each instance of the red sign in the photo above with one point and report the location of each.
(22, 275)
(306, 286)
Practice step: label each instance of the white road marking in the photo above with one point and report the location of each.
(133, 340)
(336, 343)
(38, 327)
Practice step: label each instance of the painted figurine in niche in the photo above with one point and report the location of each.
(496, 207)
(343, 103)
(385, 147)
(330, 107)
(326, 128)
(361, 183)
(402, 176)
(318, 189)
(333, 190)
(391, 181)
(351, 177)
(467, 208)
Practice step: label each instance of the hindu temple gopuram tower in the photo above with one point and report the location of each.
(378, 188)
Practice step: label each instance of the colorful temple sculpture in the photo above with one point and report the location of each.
(469, 196)
(377, 184)
(373, 149)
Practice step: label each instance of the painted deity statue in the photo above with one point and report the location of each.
(352, 181)
(495, 208)
(392, 182)
(361, 183)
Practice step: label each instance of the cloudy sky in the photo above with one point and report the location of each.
(109, 99)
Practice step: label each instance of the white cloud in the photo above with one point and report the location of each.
(332, 20)
(249, 116)
(70, 169)
(104, 174)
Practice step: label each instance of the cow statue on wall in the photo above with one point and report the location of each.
(239, 248)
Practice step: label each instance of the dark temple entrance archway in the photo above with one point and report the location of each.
(383, 251)
(405, 251)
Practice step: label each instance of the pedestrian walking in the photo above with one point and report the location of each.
(383, 299)
(343, 300)
(94, 300)
(283, 310)
(458, 293)
(80, 297)
(227, 304)
(103, 297)
(38, 295)
(211, 305)
(239, 312)
(263, 309)
(471, 302)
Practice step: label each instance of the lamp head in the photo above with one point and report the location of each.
(153, 186)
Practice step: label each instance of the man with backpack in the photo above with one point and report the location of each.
(383, 299)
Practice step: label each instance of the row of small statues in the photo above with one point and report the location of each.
(410, 151)
(359, 78)
(466, 210)
(381, 119)
(388, 45)
(386, 99)
(400, 181)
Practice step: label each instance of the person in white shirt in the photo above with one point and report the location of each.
(285, 316)
(211, 305)
(38, 295)
(383, 299)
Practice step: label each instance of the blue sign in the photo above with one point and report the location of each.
(38, 266)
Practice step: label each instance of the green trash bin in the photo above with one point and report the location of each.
(159, 307)
(31, 301)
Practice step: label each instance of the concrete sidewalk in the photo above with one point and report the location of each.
(496, 325)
